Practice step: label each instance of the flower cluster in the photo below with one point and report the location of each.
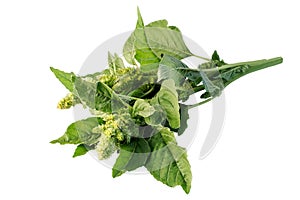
(110, 138)
(105, 147)
(66, 102)
(110, 78)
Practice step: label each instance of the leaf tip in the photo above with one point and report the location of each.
(116, 173)
(215, 56)
(109, 54)
(52, 69)
(53, 142)
(186, 189)
(140, 22)
(138, 10)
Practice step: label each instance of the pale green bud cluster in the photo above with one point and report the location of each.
(107, 78)
(105, 147)
(110, 128)
(111, 78)
(66, 102)
(110, 138)
(122, 71)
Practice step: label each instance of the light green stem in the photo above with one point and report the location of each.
(200, 103)
(203, 58)
(254, 65)
(128, 97)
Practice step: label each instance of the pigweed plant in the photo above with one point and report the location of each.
(137, 103)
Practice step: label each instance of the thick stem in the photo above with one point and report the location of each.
(253, 66)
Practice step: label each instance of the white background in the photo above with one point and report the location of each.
(258, 156)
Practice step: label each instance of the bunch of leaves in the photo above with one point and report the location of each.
(137, 103)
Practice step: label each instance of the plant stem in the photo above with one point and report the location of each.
(203, 58)
(198, 88)
(200, 103)
(128, 97)
(253, 65)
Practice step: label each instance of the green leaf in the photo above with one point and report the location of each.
(184, 77)
(142, 108)
(134, 80)
(158, 117)
(110, 59)
(172, 68)
(132, 156)
(67, 79)
(185, 91)
(167, 98)
(168, 162)
(126, 123)
(215, 57)
(174, 28)
(136, 46)
(106, 98)
(98, 96)
(119, 62)
(211, 78)
(95, 76)
(158, 23)
(212, 82)
(81, 150)
(115, 63)
(148, 44)
(169, 68)
(80, 132)
(143, 53)
(129, 50)
(166, 41)
(146, 91)
(86, 91)
(184, 116)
